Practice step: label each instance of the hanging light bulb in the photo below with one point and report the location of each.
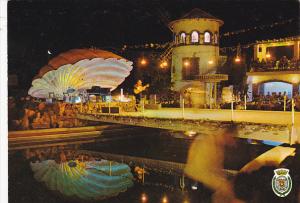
(268, 55)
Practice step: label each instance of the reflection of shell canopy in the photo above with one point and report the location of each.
(80, 69)
(85, 180)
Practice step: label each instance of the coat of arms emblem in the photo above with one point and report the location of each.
(281, 182)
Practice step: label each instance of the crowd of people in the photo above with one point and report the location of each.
(27, 113)
(169, 99)
(274, 101)
(271, 102)
(271, 64)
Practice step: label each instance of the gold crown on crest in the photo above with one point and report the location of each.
(281, 171)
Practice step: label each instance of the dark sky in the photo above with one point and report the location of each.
(58, 25)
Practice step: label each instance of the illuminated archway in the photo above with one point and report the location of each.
(276, 87)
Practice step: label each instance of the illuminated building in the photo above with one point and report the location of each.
(195, 57)
(275, 67)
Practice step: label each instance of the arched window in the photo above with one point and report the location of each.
(182, 38)
(207, 37)
(195, 37)
(216, 38)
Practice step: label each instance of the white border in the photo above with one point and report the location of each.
(3, 103)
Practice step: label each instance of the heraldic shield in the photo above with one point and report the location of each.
(282, 182)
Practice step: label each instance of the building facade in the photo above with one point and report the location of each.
(195, 57)
(275, 68)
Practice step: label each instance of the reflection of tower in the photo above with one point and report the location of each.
(195, 55)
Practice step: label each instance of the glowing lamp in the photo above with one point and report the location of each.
(144, 198)
(210, 62)
(237, 59)
(268, 55)
(165, 200)
(143, 62)
(186, 63)
(164, 64)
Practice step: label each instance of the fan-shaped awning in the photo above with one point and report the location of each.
(74, 55)
(80, 69)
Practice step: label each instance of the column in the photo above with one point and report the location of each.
(210, 94)
(215, 96)
(206, 101)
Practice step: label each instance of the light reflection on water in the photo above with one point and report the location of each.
(264, 142)
(158, 188)
(272, 143)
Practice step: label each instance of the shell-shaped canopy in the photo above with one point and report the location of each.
(80, 69)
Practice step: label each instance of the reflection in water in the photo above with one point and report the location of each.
(144, 197)
(272, 143)
(165, 199)
(266, 142)
(86, 180)
(250, 187)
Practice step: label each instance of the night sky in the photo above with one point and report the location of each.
(59, 25)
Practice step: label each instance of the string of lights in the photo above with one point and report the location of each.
(259, 27)
(226, 34)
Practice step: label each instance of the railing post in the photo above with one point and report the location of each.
(181, 182)
(284, 103)
(216, 94)
(293, 112)
(232, 109)
(245, 101)
(210, 95)
(182, 108)
(155, 99)
(293, 122)
(143, 107)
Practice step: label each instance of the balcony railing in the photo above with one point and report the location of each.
(270, 66)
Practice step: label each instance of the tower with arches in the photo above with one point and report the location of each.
(195, 57)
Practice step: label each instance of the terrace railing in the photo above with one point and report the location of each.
(275, 66)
